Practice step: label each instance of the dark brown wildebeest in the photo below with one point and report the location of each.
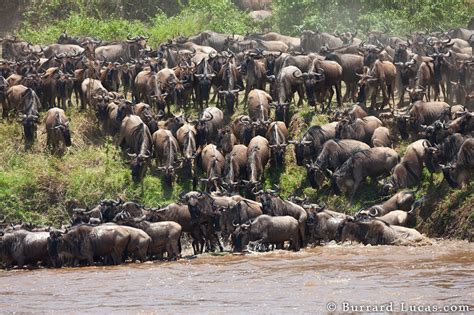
(352, 65)
(57, 129)
(322, 224)
(226, 140)
(266, 229)
(135, 136)
(180, 214)
(329, 75)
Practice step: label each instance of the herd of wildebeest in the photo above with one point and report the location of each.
(226, 154)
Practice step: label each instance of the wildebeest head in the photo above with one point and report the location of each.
(302, 149)
(230, 98)
(315, 175)
(351, 230)
(63, 127)
(241, 236)
(199, 203)
(416, 94)
(202, 128)
(125, 108)
(29, 128)
(53, 246)
(139, 164)
(102, 103)
(266, 199)
(282, 112)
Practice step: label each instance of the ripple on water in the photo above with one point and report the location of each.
(277, 282)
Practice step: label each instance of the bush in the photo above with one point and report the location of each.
(199, 15)
(400, 17)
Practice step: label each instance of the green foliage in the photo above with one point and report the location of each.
(400, 17)
(199, 15)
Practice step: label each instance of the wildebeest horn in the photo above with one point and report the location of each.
(374, 212)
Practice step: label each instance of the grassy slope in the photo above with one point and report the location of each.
(36, 186)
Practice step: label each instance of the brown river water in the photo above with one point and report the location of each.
(274, 282)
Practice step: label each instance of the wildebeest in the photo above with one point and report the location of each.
(373, 162)
(332, 156)
(165, 236)
(212, 163)
(322, 223)
(86, 242)
(273, 205)
(57, 129)
(258, 154)
(209, 122)
(376, 232)
(26, 103)
(459, 174)
(258, 105)
(276, 135)
(313, 41)
(268, 230)
(235, 167)
(402, 200)
(312, 141)
(409, 170)
(359, 129)
(135, 136)
(166, 150)
(381, 138)
(22, 247)
(290, 80)
(124, 50)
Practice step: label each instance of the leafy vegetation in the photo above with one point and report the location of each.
(399, 17)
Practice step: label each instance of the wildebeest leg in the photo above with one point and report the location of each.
(301, 96)
(401, 100)
(354, 190)
(338, 93)
(331, 94)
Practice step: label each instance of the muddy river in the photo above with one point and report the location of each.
(276, 282)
